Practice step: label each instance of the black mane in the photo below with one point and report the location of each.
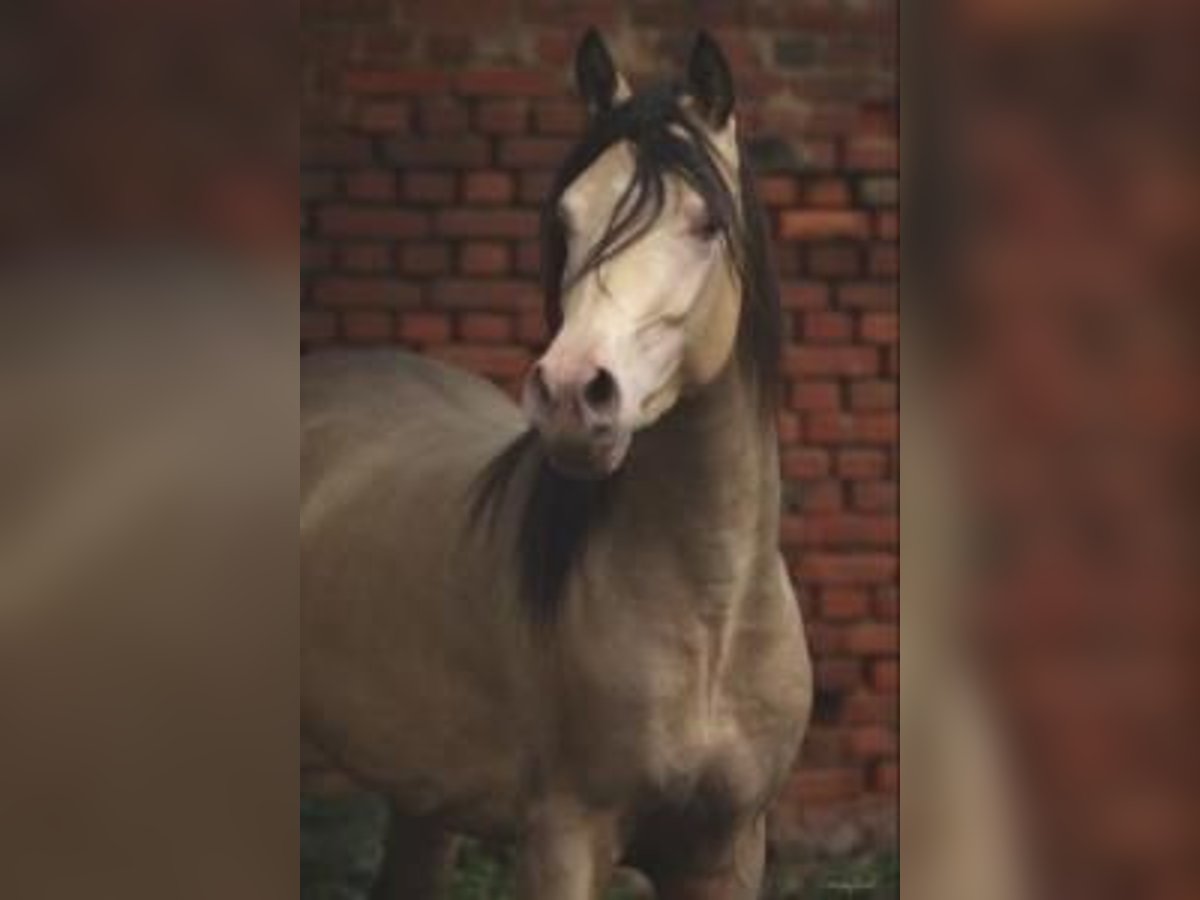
(559, 512)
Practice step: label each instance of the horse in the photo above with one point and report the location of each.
(567, 623)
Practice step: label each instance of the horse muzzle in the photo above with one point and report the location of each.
(575, 411)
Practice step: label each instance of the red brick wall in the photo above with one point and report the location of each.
(431, 131)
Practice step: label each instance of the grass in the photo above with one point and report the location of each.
(340, 850)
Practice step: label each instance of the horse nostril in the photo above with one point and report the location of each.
(600, 393)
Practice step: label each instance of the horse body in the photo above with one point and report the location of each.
(676, 684)
(402, 684)
(579, 634)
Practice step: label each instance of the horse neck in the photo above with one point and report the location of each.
(699, 496)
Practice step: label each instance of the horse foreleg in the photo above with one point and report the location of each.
(734, 872)
(567, 854)
(416, 861)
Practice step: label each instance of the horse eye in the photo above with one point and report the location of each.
(706, 229)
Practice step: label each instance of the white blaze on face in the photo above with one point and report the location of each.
(661, 314)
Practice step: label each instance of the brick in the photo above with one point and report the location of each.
(827, 327)
(377, 292)
(829, 193)
(315, 258)
(872, 153)
(839, 674)
(886, 778)
(486, 223)
(424, 328)
(875, 496)
(812, 224)
(428, 187)
(529, 258)
(844, 604)
(531, 329)
(334, 149)
(804, 295)
(867, 295)
(805, 463)
(869, 708)
(872, 742)
(825, 640)
(861, 464)
(502, 116)
(559, 118)
(822, 496)
(887, 603)
(847, 361)
(825, 787)
(777, 190)
(849, 568)
(450, 49)
(318, 185)
(885, 676)
(396, 81)
(367, 326)
(841, 531)
(880, 328)
(372, 185)
(823, 747)
(873, 639)
(536, 185)
(831, 260)
(438, 153)
(424, 258)
(887, 226)
(353, 221)
(874, 395)
(485, 258)
(383, 117)
(488, 187)
(853, 428)
(458, 293)
(532, 153)
(798, 52)
(317, 326)
(879, 191)
(884, 260)
(814, 395)
(365, 258)
(442, 116)
(454, 14)
(500, 82)
(788, 425)
(485, 328)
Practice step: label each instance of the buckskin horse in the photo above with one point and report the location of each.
(572, 626)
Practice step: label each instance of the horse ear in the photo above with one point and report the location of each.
(710, 81)
(599, 82)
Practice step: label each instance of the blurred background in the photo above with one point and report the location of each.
(1050, 483)
(1049, 637)
(431, 133)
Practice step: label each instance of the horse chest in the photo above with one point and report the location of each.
(688, 720)
(664, 742)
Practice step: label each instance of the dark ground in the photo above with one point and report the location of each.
(339, 850)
